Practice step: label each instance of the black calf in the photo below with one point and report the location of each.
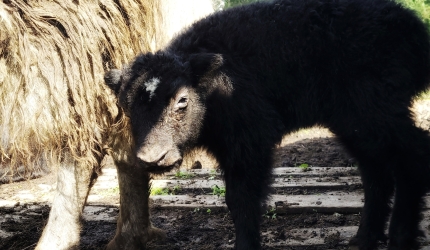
(237, 81)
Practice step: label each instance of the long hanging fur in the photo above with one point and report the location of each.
(53, 55)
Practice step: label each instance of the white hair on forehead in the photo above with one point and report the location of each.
(151, 86)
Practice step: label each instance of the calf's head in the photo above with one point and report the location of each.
(161, 95)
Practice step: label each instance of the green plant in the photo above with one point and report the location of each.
(220, 191)
(159, 191)
(208, 211)
(184, 175)
(176, 189)
(165, 191)
(304, 167)
(270, 214)
(212, 174)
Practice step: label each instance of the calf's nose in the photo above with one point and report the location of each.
(150, 157)
(167, 158)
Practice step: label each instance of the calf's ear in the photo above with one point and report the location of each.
(113, 80)
(205, 63)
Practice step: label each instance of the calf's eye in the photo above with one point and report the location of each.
(181, 103)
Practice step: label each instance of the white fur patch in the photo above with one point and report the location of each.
(151, 86)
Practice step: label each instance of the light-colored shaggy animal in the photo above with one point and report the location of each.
(55, 110)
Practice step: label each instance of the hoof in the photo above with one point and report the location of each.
(408, 245)
(156, 234)
(353, 244)
(406, 241)
(122, 242)
(367, 244)
(112, 245)
(353, 247)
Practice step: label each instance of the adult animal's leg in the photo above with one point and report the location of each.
(74, 180)
(134, 227)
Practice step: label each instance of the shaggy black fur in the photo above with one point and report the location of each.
(255, 73)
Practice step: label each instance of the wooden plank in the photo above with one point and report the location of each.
(316, 182)
(327, 202)
(324, 203)
(188, 201)
(279, 172)
(8, 203)
(286, 182)
(315, 171)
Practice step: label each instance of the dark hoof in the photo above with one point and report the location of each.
(367, 244)
(156, 234)
(406, 241)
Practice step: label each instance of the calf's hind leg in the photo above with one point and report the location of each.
(411, 174)
(392, 154)
(374, 161)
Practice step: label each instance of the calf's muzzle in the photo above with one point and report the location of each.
(157, 159)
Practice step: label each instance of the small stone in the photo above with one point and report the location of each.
(279, 203)
(17, 208)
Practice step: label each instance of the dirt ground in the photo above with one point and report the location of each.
(23, 214)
